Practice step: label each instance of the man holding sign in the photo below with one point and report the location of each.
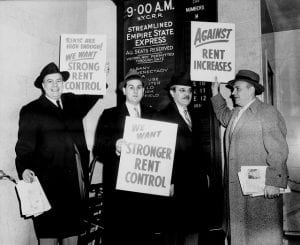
(128, 215)
(186, 206)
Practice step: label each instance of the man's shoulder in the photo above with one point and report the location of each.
(115, 110)
(148, 109)
(168, 112)
(35, 104)
(266, 110)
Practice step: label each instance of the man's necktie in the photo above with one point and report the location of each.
(137, 113)
(59, 105)
(188, 119)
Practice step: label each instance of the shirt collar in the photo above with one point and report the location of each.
(242, 109)
(131, 107)
(53, 101)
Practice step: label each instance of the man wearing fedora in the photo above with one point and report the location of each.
(51, 145)
(255, 136)
(128, 216)
(186, 207)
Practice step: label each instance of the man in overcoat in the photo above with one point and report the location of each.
(255, 136)
(51, 145)
(128, 216)
(186, 208)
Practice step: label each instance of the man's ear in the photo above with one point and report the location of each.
(172, 93)
(123, 89)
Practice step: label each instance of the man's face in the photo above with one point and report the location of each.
(182, 95)
(53, 85)
(243, 93)
(134, 91)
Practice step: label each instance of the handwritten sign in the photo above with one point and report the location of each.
(84, 56)
(212, 51)
(147, 159)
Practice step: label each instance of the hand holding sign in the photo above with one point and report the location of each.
(119, 144)
(215, 87)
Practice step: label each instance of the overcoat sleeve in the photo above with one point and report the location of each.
(105, 136)
(82, 103)
(274, 133)
(27, 140)
(223, 113)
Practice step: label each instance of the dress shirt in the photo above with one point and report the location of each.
(181, 110)
(131, 110)
(241, 111)
(54, 101)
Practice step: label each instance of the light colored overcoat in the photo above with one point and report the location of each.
(257, 139)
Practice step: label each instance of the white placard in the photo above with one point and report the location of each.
(147, 159)
(84, 56)
(212, 51)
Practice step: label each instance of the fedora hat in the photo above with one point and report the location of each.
(249, 77)
(131, 74)
(51, 68)
(182, 79)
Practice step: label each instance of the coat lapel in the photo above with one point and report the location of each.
(246, 117)
(179, 118)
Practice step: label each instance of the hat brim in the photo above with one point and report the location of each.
(38, 82)
(259, 89)
(123, 83)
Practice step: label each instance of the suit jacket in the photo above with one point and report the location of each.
(257, 139)
(189, 173)
(45, 145)
(123, 210)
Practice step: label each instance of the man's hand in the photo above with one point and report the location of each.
(271, 191)
(119, 145)
(171, 190)
(28, 175)
(215, 87)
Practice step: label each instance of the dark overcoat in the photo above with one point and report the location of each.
(125, 212)
(187, 208)
(258, 139)
(45, 145)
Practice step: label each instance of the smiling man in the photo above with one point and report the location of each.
(255, 136)
(51, 145)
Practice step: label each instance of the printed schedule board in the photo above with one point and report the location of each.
(84, 56)
(147, 157)
(212, 51)
(149, 45)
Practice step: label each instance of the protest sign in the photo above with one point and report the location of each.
(147, 158)
(212, 51)
(84, 56)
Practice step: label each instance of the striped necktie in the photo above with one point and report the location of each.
(188, 119)
(137, 113)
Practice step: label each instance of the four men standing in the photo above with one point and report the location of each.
(51, 132)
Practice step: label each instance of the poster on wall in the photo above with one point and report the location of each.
(149, 40)
(84, 56)
(147, 158)
(212, 51)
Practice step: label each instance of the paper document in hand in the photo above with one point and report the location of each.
(33, 200)
(252, 180)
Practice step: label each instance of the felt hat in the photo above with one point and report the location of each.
(182, 79)
(51, 68)
(131, 74)
(249, 77)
